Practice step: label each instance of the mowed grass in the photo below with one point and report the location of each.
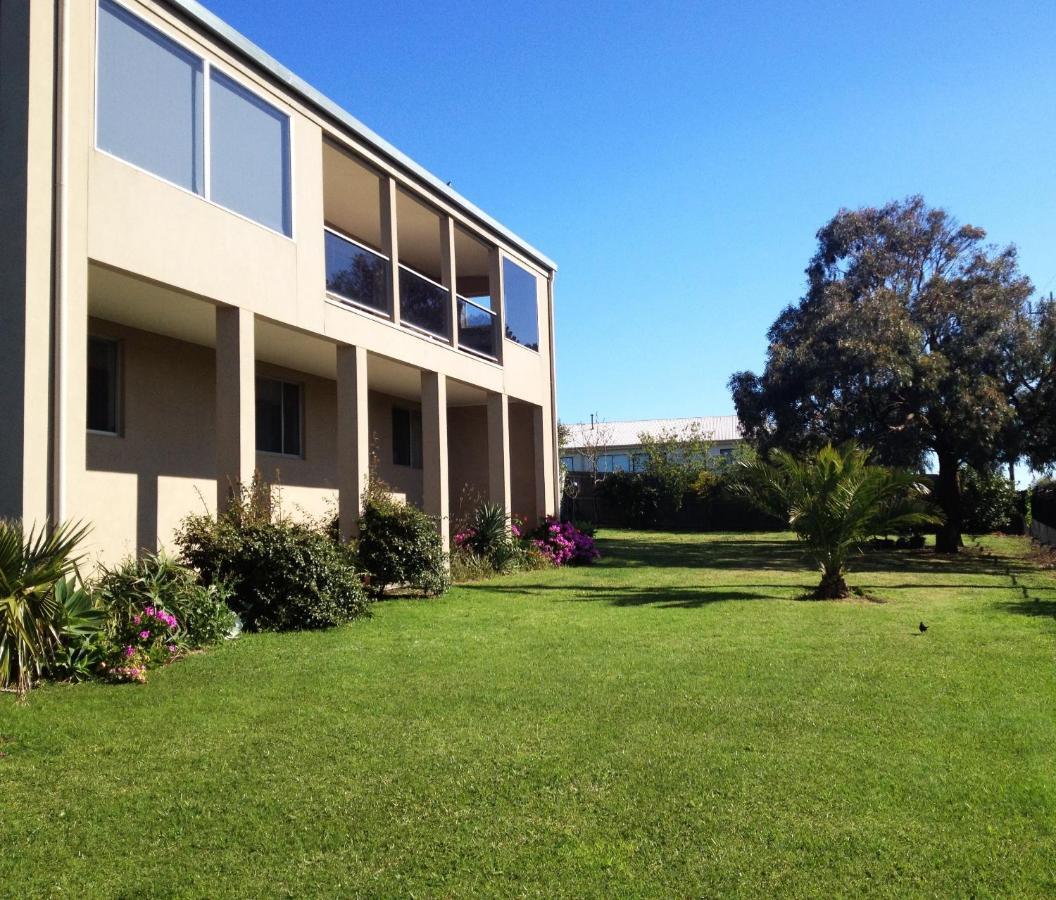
(670, 722)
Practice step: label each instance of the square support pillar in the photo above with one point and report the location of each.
(236, 437)
(499, 450)
(498, 301)
(390, 243)
(544, 489)
(448, 272)
(435, 488)
(353, 437)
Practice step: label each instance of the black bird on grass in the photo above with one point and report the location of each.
(923, 627)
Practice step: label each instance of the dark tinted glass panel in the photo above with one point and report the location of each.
(476, 328)
(356, 274)
(522, 305)
(291, 419)
(423, 303)
(102, 385)
(401, 437)
(249, 154)
(269, 415)
(149, 108)
(406, 438)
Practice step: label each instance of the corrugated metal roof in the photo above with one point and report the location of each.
(240, 43)
(625, 434)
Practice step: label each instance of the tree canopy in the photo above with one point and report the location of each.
(914, 337)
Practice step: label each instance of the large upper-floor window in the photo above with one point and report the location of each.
(152, 97)
(520, 291)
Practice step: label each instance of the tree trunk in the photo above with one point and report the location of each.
(948, 496)
(832, 587)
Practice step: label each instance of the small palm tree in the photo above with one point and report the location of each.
(834, 501)
(32, 565)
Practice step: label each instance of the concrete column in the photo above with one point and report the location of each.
(498, 299)
(27, 43)
(390, 243)
(544, 490)
(435, 487)
(236, 429)
(353, 437)
(447, 265)
(499, 450)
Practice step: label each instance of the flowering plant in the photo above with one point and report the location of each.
(150, 637)
(564, 544)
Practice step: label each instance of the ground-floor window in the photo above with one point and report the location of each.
(279, 416)
(406, 437)
(103, 384)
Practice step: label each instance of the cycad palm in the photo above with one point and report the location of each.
(835, 500)
(31, 565)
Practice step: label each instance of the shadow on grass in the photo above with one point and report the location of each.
(1034, 606)
(776, 555)
(664, 597)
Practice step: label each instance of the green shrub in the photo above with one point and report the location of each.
(283, 575)
(32, 610)
(634, 499)
(156, 581)
(988, 502)
(400, 546)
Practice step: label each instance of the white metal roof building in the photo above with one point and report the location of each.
(619, 447)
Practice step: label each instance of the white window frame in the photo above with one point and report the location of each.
(207, 66)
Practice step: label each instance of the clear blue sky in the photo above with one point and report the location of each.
(676, 159)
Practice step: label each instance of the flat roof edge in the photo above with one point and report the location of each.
(213, 23)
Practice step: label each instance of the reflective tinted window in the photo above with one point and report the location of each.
(521, 304)
(149, 109)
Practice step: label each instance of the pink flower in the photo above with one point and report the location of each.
(129, 651)
(149, 610)
(135, 619)
(172, 648)
(143, 635)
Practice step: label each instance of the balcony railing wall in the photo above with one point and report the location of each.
(424, 303)
(356, 273)
(476, 327)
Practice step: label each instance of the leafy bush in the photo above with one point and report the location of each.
(988, 502)
(283, 575)
(158, 582)
(484, 547)
(634, 498)
(81, 624)
(33, 614)
(564, 544)
(400, 545)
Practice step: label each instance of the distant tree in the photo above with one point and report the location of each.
(914, 338)
(594, 443)
(675, 458)
(564, 435)
(835, 500)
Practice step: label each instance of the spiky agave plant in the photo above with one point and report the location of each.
(31, 608)
(835, 500)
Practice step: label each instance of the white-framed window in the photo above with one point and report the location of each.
(168, 111)
(406, 437)
(103, 383)
(280, 416)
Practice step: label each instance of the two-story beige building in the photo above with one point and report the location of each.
(211, 269)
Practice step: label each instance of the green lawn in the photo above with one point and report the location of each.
(672, 721)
